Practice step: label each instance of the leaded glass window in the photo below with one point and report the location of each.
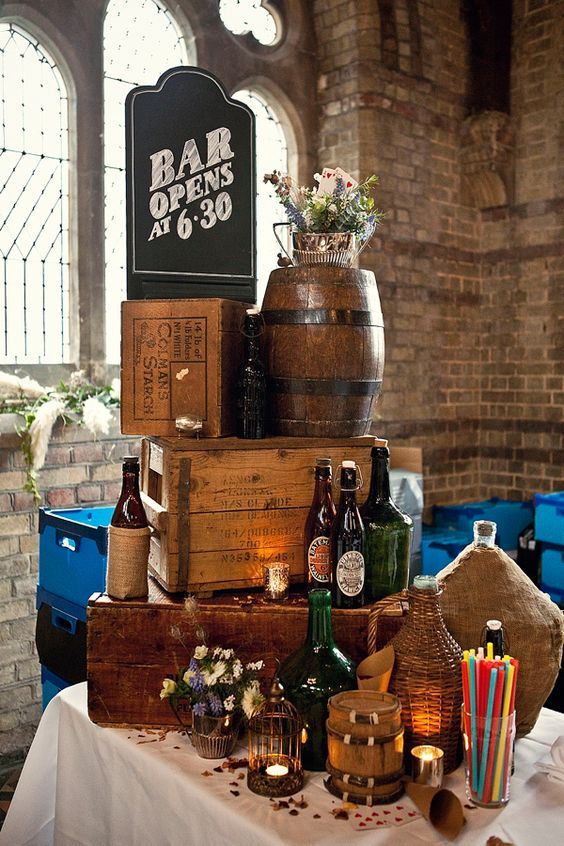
(141, 41)
(272, 154)
(250, 16)
(34, 196)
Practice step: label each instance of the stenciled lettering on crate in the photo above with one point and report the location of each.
(222, 509)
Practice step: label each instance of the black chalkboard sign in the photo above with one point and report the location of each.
(190, 174)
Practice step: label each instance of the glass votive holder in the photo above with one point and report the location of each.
(427, 765)
(276, 581)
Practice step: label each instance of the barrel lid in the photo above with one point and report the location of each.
(365, 702)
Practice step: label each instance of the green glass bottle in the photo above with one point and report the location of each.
(315, 672)
(388, 534)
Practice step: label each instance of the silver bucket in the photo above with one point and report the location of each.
(332, 249)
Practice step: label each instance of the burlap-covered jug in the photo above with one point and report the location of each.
(483, 583)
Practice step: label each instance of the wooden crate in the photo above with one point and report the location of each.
(133, 644)
(180, 357)
(221, 509)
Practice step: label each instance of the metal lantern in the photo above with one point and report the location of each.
(275, 746)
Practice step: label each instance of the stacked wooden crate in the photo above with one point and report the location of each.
(219, 508)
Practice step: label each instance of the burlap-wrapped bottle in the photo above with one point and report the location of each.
(483, 582)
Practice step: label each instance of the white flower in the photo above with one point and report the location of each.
(252, 697)
(115, 388)
(77, 380)
(237, 669)
(227, 654)
(217, 652)
(200, 652)
(41, 428)
(188, 676)
(255, 665)
(169, 687)
(229, 703)
(13, 386)
(96, 416)
(213, 676)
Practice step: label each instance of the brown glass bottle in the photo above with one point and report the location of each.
(317, 531)
(129, 512)
(128, 539)
(347, 545)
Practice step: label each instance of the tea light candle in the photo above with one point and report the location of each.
(277, 770)
(427, 765)
(276, 581)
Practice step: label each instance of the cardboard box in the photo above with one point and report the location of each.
(133, 644)
(180, 358)
(221, 509)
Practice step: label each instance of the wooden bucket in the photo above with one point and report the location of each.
(324, 338)
(365, 743)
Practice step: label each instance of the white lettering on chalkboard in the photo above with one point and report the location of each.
(202, 180)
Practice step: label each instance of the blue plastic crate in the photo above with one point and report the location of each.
(552, 572)
(549, 518)
(60, 636)
(440, 546)
(73, 551)
(52, 684)
(510, 516)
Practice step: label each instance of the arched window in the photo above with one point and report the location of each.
(141, 41)
(243, 16)
(272, 154)
(34, 229)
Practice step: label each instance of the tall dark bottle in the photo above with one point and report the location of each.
(128, 538)
(317, 531)
(313, 674)
(388, 531)
(347, 544)
(251, 382)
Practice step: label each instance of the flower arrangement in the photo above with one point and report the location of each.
(216, 683)
(337, 204)
(77, 400)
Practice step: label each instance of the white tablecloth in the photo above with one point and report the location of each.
(83, 785)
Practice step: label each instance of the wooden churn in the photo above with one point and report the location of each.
(324, 340)
(365, 743)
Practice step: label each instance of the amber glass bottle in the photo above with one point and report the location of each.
(128, 539)
(317, 532)
(347, 544)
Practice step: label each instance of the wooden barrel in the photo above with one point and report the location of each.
(365, 744)
(324, 337)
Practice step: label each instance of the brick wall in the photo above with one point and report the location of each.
(472, 298)
(78, 472)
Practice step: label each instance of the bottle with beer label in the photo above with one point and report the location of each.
(347, 544)
(317, 532)
(128, 539)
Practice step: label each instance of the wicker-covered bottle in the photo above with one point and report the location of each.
(426, 675)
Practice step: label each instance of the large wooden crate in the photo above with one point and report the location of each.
(180, 358)
(133, 644)
(221, 509)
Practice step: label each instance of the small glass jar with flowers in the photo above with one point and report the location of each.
(221, 691)
(330, 223)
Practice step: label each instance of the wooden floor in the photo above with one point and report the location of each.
(7, 791)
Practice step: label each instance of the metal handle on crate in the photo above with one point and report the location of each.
(284, 250)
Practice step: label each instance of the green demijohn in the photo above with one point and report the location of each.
(313, 673)
(388, 533)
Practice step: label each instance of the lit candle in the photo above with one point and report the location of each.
(276, 581)
(277, 770)
(427, 765)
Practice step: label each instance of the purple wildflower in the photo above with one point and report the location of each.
(295, 216)
(339, 190)
(199, 709)
(215, 703)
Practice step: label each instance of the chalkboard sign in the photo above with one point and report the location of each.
(190, 174)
